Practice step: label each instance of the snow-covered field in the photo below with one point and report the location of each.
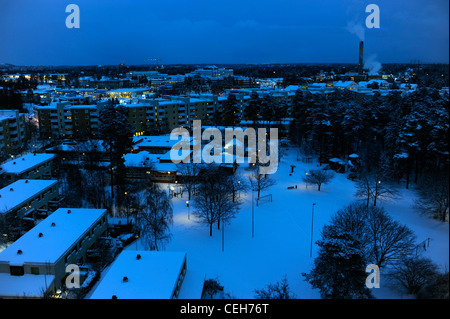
(282, 234)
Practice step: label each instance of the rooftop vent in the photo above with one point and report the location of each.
(23, 158)
(14, 163)
(69, 211)
(11, 189)
(125, 279)
(40, 235)
(19, 252)
(26, 181)
(114, 297)
(53, 225)
(138, 257)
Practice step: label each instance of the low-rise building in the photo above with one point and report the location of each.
(143, 275)
(30, 166)
(36, 263)
(25, 197)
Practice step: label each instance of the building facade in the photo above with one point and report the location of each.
(12, 131)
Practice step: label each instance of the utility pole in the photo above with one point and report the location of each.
(253, 215)
(223, 235)
(312, 228)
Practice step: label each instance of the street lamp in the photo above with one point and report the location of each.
(312, 228)
(187, 204)
(239, 187)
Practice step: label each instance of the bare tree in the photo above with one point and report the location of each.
(279, 290)
(438, 288)
(260, 182)
(238, 184)
(434, 196)
(214, 199)
(414, 273)
(364, 189)
(384, 240)
(211, 288)
(155, 218)
(318, 177)
(190, 175)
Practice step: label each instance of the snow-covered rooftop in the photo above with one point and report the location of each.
(153, 276)
(29, 286)
(141, 159)
(23, 163)
(20, 191)
(59, 231)
(157, 141)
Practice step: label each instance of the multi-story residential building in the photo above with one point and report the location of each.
(36, 263)
(61, 119)
(213, 72)
(12, 131)
(25, 197)
(30, 166)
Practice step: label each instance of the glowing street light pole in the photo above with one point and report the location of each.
(187, 204)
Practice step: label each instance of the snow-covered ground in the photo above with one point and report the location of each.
(282, 234)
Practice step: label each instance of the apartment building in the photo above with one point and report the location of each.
(213, 72)
(25, 197)
(29, 166)
(36, 263)
(12, 131)
(63, 119)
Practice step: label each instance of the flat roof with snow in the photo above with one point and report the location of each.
(60, 231)
(26, 286)
(162, 141)
(154, 276)
(24, 163)
(141, 159)
(16, 194)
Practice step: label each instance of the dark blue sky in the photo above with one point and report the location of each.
(33, 32)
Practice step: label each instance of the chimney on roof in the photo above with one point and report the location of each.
(361, 57)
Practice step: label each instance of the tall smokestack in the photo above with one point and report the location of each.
(361, 57)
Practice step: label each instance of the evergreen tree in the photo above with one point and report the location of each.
(231, 112)
(339, 269)
(252, 108)
(117, 135)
